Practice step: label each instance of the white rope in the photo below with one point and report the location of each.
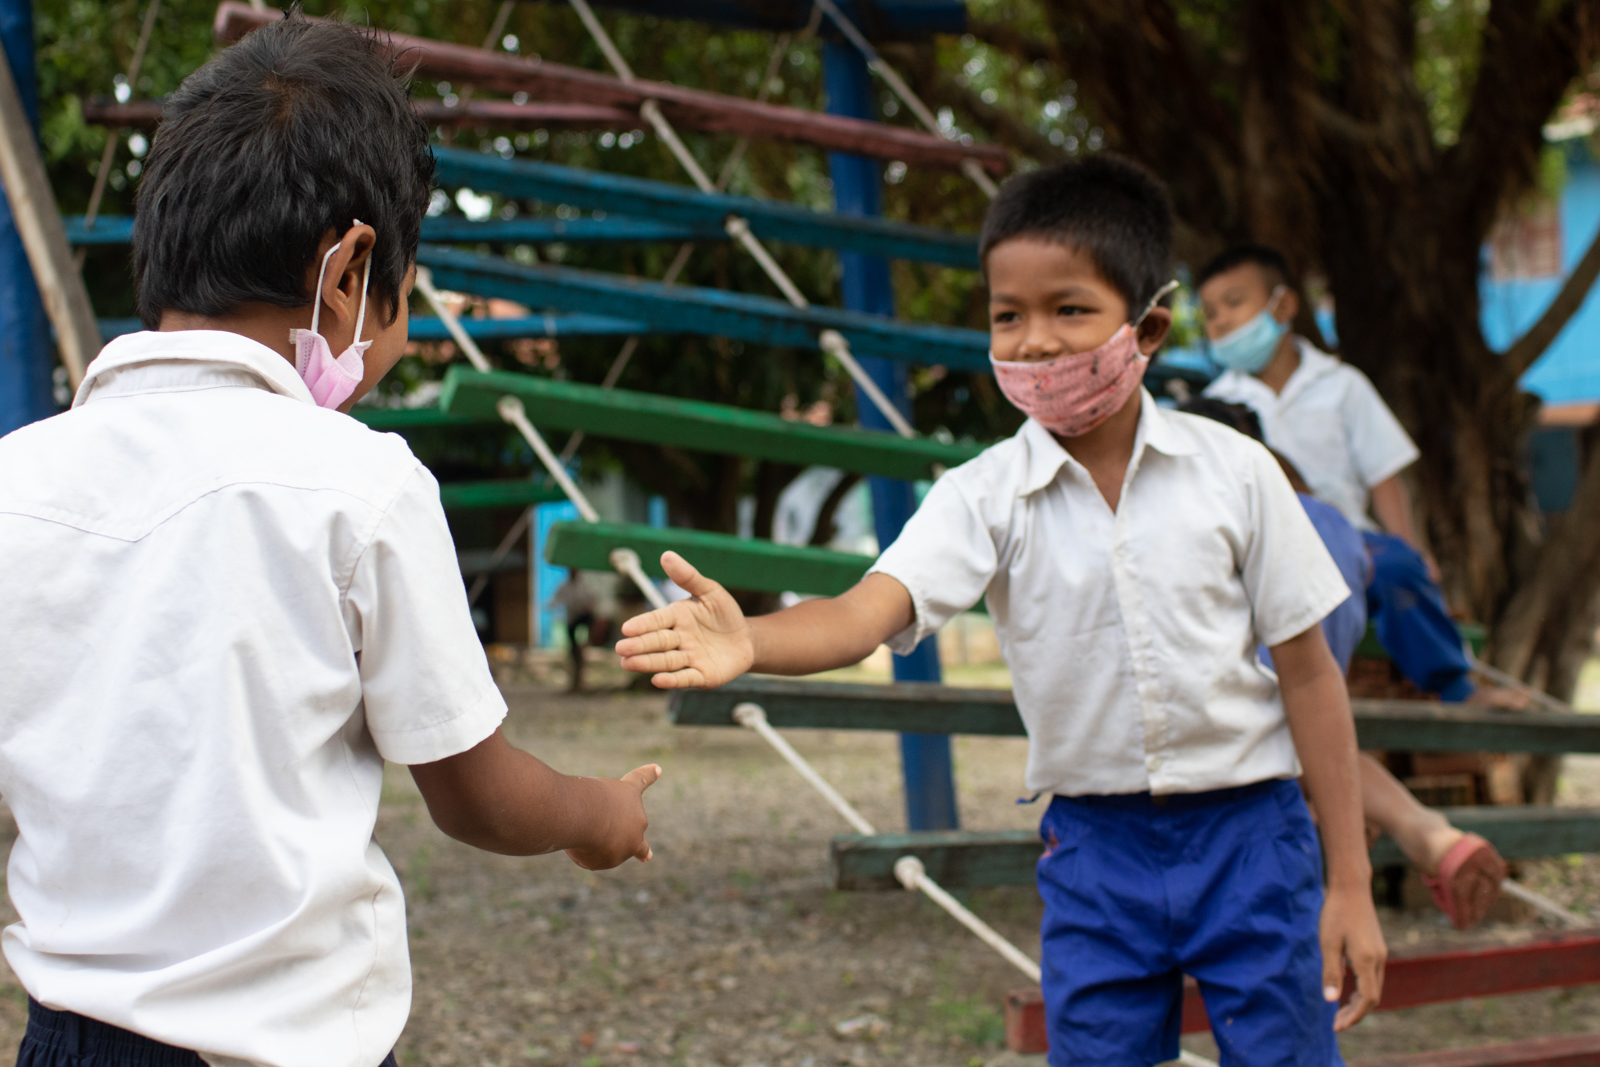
(737, 227)
(1495, 674)
(970, 167)
(511, 410)
(1542, 903)
(908, 870)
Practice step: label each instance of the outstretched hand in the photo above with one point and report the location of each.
(699, 643)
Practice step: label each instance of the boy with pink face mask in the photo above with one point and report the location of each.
(1133, 559)
(225, 605)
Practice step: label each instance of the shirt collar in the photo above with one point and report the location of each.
(1314, 364)
(126, 357)
(1156, 430)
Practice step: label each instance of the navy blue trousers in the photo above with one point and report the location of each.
(1139, 891)
(66, 1039)
(1413, 623)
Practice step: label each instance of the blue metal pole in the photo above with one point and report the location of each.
(25, 345)
(925, 758)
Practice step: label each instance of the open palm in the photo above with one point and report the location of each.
(699, 643)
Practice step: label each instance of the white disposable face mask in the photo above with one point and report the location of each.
(331, 380)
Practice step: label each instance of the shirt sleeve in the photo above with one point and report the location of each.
(1379, 445)
(944, 557)
(1290, 578)
(424, 678)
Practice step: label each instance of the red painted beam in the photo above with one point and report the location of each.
(692, 109)
(504, 114)
(1580, 1050)
(1408, 982)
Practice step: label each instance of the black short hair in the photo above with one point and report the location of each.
(300, 128)
(1269, 259)
(1239, 417)
(1108, 207)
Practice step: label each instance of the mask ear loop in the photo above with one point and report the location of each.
(316, 302)
(361, 316)
(1154, 300)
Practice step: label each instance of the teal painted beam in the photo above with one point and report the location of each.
(716, 312)
(428, 328)
(664, 202)
(971, 859)
(509, 493)
(695, 424)
(1420, 726)
(738, 564)
(118, 230)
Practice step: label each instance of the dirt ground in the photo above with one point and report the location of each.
(730, 948)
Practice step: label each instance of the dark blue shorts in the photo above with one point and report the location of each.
(65, 1039)
(1139, 891)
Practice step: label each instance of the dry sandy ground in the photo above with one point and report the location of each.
(732, 949)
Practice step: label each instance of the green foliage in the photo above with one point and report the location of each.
(82, 44)
(1449, 33)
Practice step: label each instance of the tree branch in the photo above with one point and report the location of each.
(939, 88)
(1003, 37)
(1531, 345)
(1526, 65)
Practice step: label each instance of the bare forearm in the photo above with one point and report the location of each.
(1318, 710)
(500, 799)
(820, 635)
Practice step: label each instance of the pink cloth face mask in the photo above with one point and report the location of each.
(331, 380)
(1072, 394)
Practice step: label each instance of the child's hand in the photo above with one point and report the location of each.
(623, 822)
(698, 643)
(1350, 932)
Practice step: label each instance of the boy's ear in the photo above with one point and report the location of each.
(1288, 306)
(341, 283)
(1153, 330)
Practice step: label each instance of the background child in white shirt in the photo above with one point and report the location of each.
(1329, 421)
(225, 605)
(1132, 561)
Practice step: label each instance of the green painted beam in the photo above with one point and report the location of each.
(509, 493)
(739, 564)
(910, 708)
(695, 424)
(966, 859)
(709, 312)
(399, 420)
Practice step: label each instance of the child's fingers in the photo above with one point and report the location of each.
(1332, 966)
(656, 662)
(659, 619)
(645, 853)
(643, 777)
(688, 678)
(682, 572)
(644, 644)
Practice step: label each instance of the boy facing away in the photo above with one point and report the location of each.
(225, 605)
(1133, 560)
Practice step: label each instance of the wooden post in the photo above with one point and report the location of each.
(33, 207)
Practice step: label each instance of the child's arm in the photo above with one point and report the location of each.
(705, 641)
(1318, 710)
(1391, 503)
(501, 799)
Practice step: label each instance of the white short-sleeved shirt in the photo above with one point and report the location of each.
(1331, 424)
(223, 609)
(1131, 637)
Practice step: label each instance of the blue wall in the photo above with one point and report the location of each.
(1569, 370)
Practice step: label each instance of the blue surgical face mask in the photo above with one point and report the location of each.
(1250, 347)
